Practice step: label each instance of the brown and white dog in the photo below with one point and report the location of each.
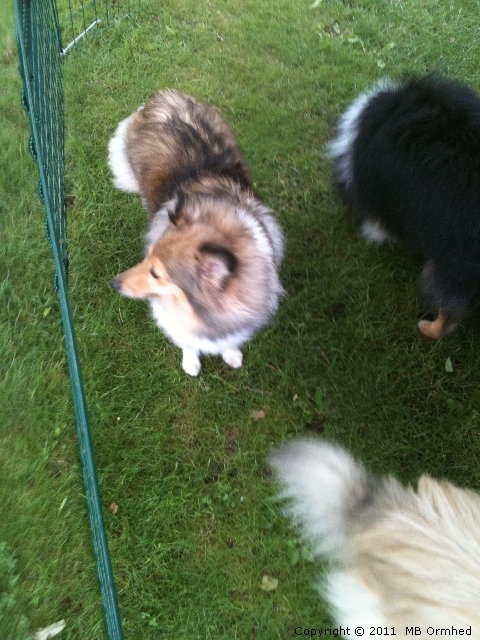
(212, 249)
(404, 558)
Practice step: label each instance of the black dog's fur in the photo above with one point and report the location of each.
(407, 158)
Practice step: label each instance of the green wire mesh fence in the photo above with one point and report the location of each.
(78, 18)
(39, 40)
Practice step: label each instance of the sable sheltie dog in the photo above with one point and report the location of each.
(403, 557)
(407, 157)
(212, 249)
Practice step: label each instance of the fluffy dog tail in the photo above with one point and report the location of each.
(327, 492)
(404, 557)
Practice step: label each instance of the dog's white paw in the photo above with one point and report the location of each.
(233, 357)
(191, 362)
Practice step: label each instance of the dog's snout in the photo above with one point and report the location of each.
(115, 284)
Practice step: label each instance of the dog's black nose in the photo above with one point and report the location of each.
(115, 284)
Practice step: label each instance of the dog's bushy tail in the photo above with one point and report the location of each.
(404, 555)
(328, 493)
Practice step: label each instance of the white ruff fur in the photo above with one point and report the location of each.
(340, 148)
(168, 320)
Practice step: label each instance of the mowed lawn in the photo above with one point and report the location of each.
(199, 547)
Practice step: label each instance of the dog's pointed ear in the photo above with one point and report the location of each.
(216, 264)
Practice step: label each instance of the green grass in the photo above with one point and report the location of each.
(184, 459)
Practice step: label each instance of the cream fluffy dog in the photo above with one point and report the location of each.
(404, 558)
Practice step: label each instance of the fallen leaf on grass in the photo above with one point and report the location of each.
(269, 583)
(270, 366)
(324, 356)
(51, 631)
(258, 414)
(113, 507)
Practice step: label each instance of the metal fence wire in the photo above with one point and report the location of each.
(78, 17)
(41, 52)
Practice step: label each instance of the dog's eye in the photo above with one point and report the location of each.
(153, 274)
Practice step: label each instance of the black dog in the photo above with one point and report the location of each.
(407, 157)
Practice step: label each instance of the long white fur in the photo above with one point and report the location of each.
(181, 335)
(404, 557)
